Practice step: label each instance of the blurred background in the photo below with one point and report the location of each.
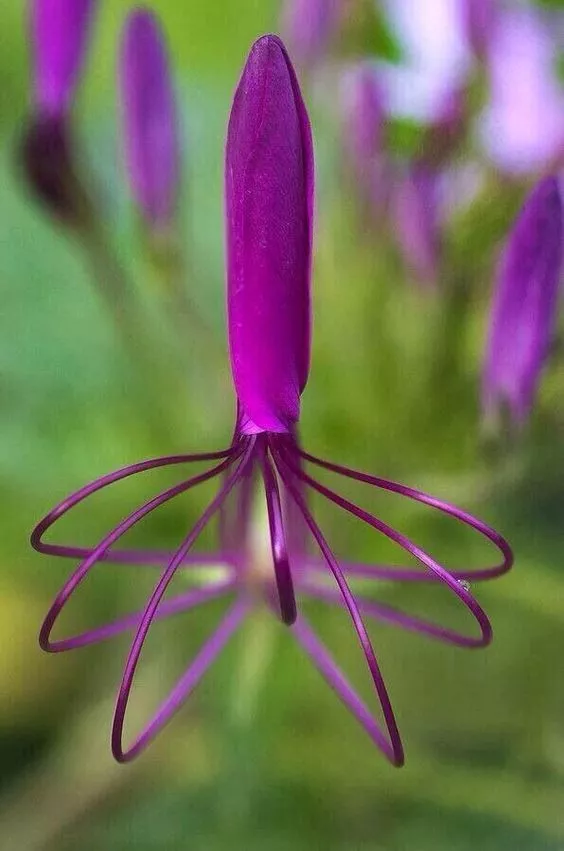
(418, 186)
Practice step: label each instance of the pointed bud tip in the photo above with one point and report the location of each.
(149, 118)
(59, 33)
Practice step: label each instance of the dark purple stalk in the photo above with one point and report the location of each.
(279, 548)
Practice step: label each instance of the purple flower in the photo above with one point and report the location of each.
(524, 305)
(417, 219)
(479, 20)
(437, 59)
(445, 128)
(150, 124)
(363, 131)
(59, 35)
(309, 25)
(523, 125)
(269, 211)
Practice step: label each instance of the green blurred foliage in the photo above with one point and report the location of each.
(263, 756)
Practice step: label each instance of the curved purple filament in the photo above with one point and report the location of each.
(235, 516)
(276, 456)
(418, 496)
(102, 548)
(177, 605)
(172, 703)
(124, 556)
(326, 665)
(279, 548)
(389, 614)
(405, 543)
(187, 682)
(392, 747)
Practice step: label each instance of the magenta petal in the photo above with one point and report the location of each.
(150, 127)
(59, 35)
(269, 208)
(523, 311)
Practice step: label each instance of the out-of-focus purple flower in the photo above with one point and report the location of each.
(479, 20)
(60, 32)
(416, 220)
(59, 38)
(150, 124)
(445, 128)
(437, 58)
(523, 125)
(309, 26)
(363, 131)
(524, 306)
(269, 212)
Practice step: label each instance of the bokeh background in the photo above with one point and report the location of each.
(263, 756)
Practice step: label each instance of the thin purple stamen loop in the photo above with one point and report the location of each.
(186, 684)
(392, 573)
(281, 561)
(234, 518)
(99, 484)
(297, 533)
(171, 704)
(388, 614)
(418, 496)
(391, 748)
(138, 558)
(409, 546)
(78, 576)
(327, 666)
(177, 605)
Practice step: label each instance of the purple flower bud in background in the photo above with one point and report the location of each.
(416, 220)
(436, 57)
(363, 132)
(523, 125)
(479, 19)
(150, 123)
(60, 32)
(524, 306)
(446, 128)
(308, 26)
(269, 186)
(269, 208)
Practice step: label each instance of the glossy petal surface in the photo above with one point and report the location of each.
(269, 210)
